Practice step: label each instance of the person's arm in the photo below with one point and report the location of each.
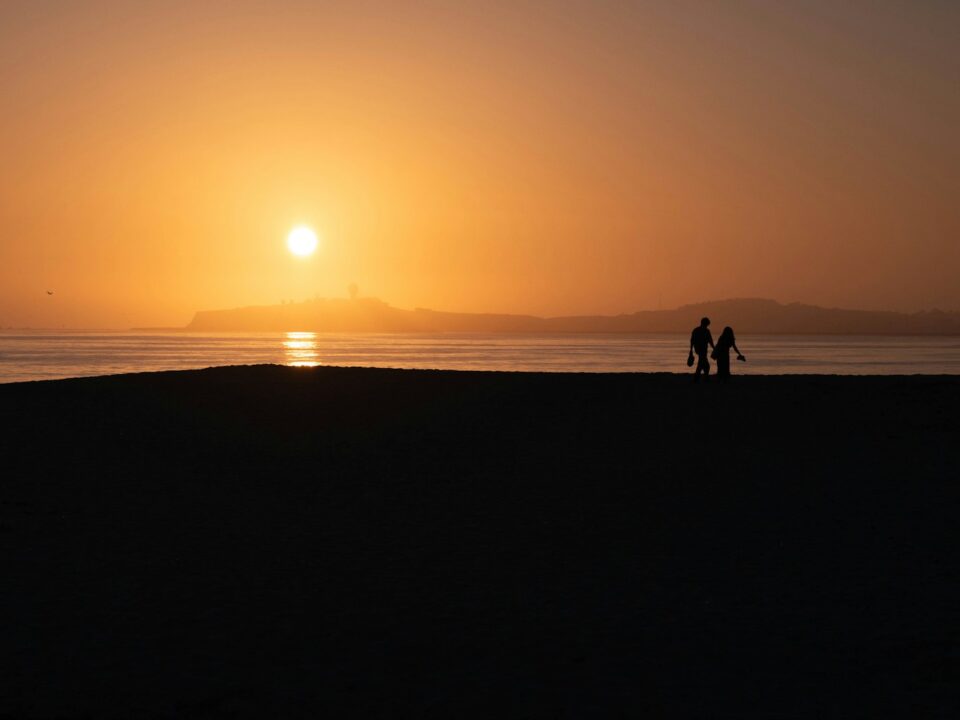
(737, 350)
(710, 339)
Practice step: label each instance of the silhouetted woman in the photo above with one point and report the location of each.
(721, 352)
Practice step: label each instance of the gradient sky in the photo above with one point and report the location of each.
(551, 158)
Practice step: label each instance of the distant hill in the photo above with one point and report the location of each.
(748, 316)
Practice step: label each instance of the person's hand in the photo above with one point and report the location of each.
(742, 358)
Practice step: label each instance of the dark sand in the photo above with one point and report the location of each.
(334, 542)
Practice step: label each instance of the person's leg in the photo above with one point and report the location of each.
(703, 366)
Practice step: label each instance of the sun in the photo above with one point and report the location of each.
(302, 241)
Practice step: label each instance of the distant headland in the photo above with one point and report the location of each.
(746, 315)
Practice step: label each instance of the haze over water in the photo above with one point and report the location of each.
(26, 357)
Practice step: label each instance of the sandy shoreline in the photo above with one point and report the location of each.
(267, 540)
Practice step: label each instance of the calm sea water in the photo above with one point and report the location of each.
(37, 356)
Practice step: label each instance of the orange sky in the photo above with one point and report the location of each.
(552, 158)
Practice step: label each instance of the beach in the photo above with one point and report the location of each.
(300, 542)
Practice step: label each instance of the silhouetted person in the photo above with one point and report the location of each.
(721, 353)
(699, 339)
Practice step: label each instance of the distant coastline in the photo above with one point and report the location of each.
(755, 316)
(749, 315)
(75, 331)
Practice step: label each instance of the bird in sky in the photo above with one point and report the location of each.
(49, 292)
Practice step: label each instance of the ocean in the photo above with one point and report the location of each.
(46, 356)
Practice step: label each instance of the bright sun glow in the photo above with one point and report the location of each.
(302, 241)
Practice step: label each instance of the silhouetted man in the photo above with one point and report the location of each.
(699, 339)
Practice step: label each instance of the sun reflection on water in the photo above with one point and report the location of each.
(301, 349)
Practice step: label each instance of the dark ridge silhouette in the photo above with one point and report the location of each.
(274, 542)
(750, 316)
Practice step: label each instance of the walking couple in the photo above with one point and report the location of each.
(700, 338)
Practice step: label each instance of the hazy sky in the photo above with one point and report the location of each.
(551, 157)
